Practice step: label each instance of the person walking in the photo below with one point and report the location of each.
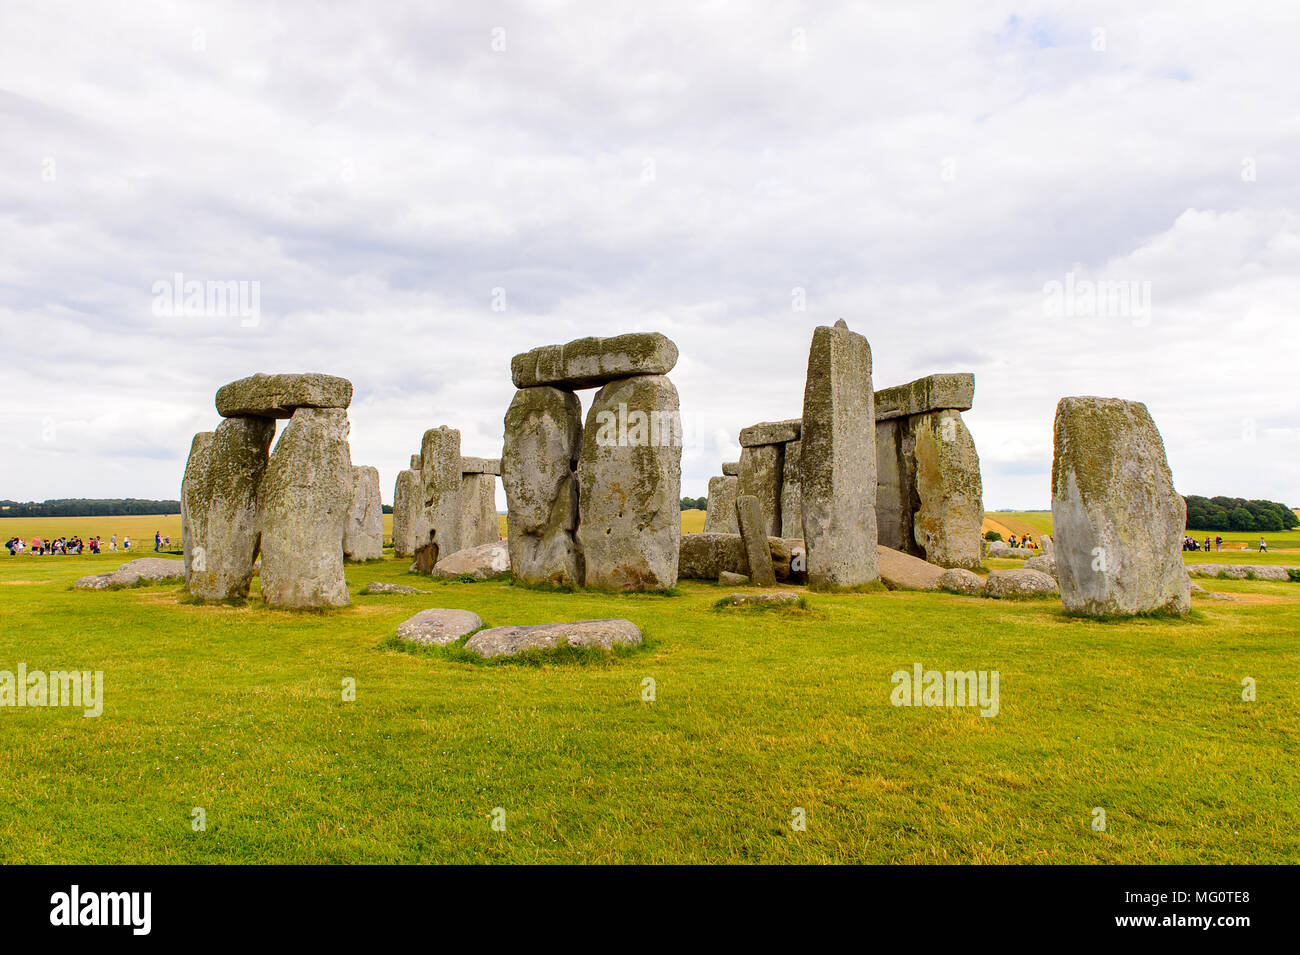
(1263, 546)
(112, 544)
(157, 541)
(1218, 542)
(126, 542)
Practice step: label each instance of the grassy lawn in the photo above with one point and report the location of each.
(238, 710)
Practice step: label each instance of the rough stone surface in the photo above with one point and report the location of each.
(480, 466)
(896, 497)
(791, 492)
(592, 362)
(721, 516)
(757, 555)
(630, 486)
(780, 598)
(478, 509)
(221, 508)
(543, 430)
(363, 532)
(955, 392)
(728, 579)
(998, 549)
(195, 473)
(950, 514)
(484, 562)
(761, 469)
(1049, 548)
(1042, 562)
(416, 463)
(507, 641)
(731, 469)
(1116, 519)
(148, 570)
(899, 571)
(407, 504)
(438, 627)
(839, 461)
(771, 432)
(304, 501)
(376, 587)
(708, 556)
(278, 396)
(437, 526)
(1020, 583)
(961, 581)
(1242, 571)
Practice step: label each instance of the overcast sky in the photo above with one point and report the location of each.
(422, 190)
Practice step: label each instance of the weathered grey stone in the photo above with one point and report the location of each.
(221, 508)
(731, 469)
(896, 497)
(478, 509)
(781, 598)
(480, 466)
(757, 556)
(721, 516)
(1242, 571)
(708, 556)
(416, 463)
(899, 571)
(1020, 583)
(304, 501)
(507, 641)
(1116, 518)
(363, 531)
(437, 532)
(961, 581)
(438, 627)
(543, 429)
(484, 562)
(950, 515)
(408, 502)
(592, 362)
(278, 396)
(630, 486)
(195, 470)
(728, 579)
(955, 392)
(1042, 562)
(839, 461)
(377, 587)
(1049, 548)
(771, 432)
(761, 468)
(144, 570)
(791, 492)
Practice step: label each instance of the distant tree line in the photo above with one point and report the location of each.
(1238, 514)
(86, 507)
(695, 503)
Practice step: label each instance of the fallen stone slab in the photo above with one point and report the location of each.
(780, 598)
(484, 562)
(145, 570)
(1242, 571)
(728, 579)
(438, 627)
(899, 571)
(948, 392)
(707, 556)
(507, 641)
(1020, 583)
(771, 432)
(592, 362)
(279, 396)
(480, 466)
(958, 580)
(376, 587)
(1043, 562)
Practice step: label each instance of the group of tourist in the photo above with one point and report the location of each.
(1191, 543)
(64, 545)
(1025, 541)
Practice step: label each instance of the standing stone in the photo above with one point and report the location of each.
(948, 521)
(839, 461)
(407, 503)
(304, 501)
(721, 516)
(1117, 521)
(750, 518)
(478, 510)
(791, 491)
(543, 439)
(437, 529)
(761, 468)
(196, 466)
(630, 486)
(363, 532)
(222, 511)
(896, 498)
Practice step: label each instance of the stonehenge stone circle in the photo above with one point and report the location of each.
(408, 501)
(543, 440)
(1117, 521)
(757, 555)
(278, 396)
(838, 466)
(950, 514)
(437, 527)
(220, 504)
(304, 500)
(721, 515)
(593, 362)
(363, 532)
(761, 468)
(629, 485)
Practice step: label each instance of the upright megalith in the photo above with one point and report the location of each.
(757, 555)
(222, 508)
(950, 515)
(543, 439)
(761, 469)
(629, 485)
(791, 491)
(896, 496)
(437, 526)
(195, 468)
(304, 500)
(1117, 521)
(478, 502)
(408, 501)
(363, 532)
(838, 461)
(593, 362)
(720, 517)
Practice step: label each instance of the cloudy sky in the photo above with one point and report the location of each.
(418, 191)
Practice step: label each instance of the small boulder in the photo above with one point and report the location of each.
(147, 570)
(779, 598)
(962, 581)
(1020, 583)
(378, 587)
(438, 627)
(1044, 562)
(727, 578)
(903, 571)
(507, 641)
(485, 562)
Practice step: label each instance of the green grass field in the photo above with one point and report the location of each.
(239, 711)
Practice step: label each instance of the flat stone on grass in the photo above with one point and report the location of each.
(601, 634)
(438, 627)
